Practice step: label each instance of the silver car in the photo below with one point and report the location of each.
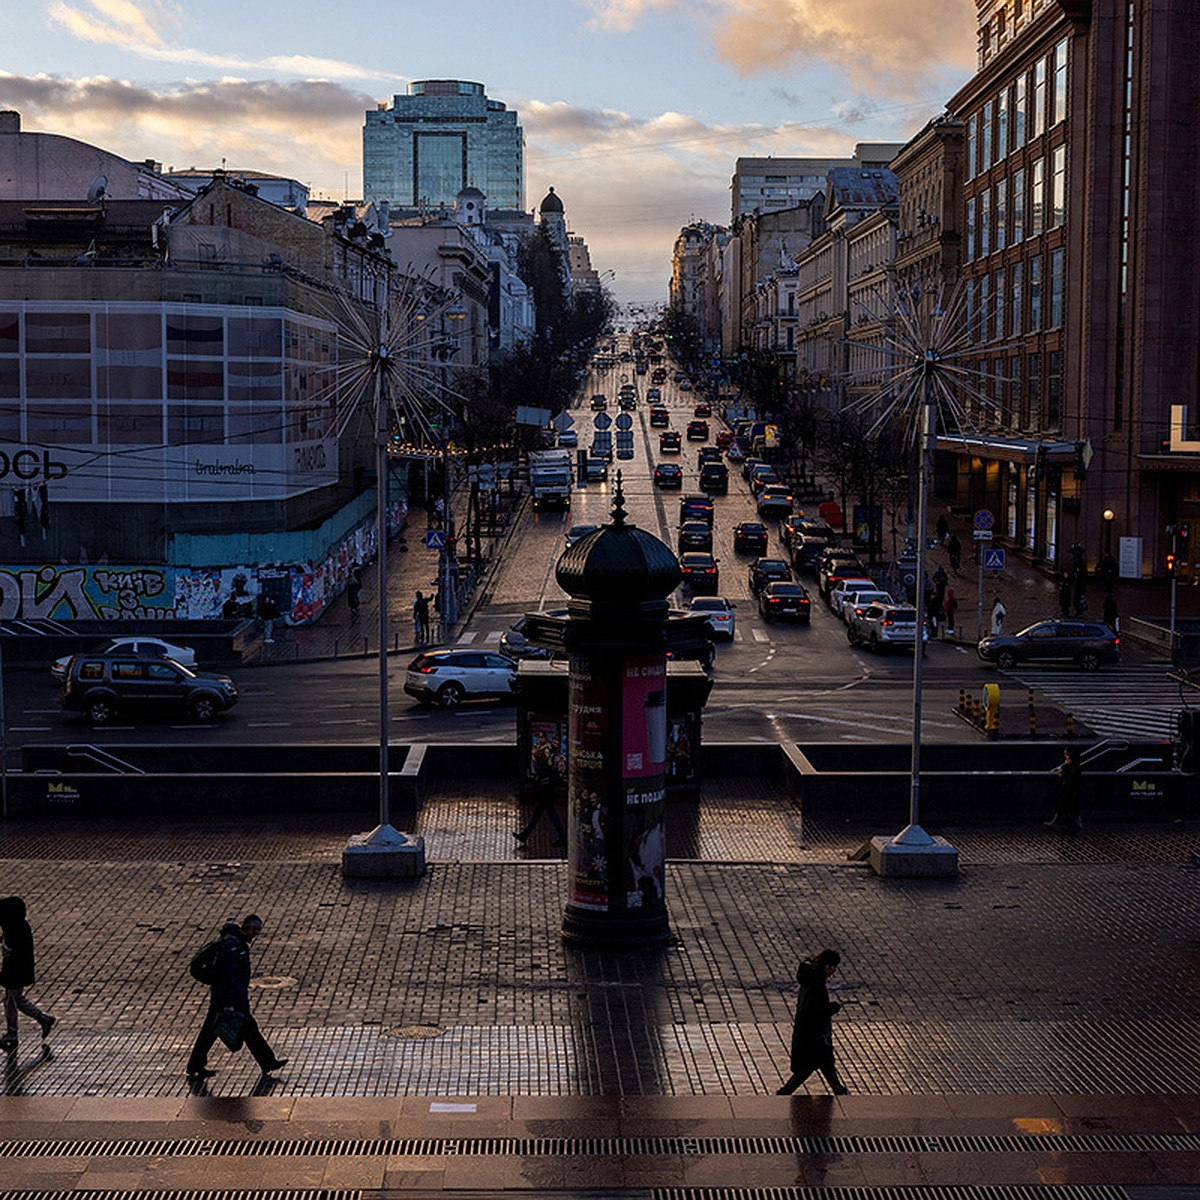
(884, 626)
(447, 677)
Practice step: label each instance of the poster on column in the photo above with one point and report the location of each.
(588, 790)
(643, 764)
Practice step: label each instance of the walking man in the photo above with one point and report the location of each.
(354, 592)
(1069, 818)
(420, 608)
(999, 612)
(544, 798)
(950, 609)
(16, 971)
(954, 549)
(230, 994)
(268, 610)
(1064, 596)
(812, 1034)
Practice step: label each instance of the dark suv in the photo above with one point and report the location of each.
(102, 686)
(1087, 643)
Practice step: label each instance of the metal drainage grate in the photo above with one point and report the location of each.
(916, 1192)
(186, 1194)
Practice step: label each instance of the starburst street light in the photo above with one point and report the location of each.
(926, 384)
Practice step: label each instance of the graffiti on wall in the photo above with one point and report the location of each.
(85, 592)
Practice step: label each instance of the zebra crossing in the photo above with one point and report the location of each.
(1136, 701)
(491, 637)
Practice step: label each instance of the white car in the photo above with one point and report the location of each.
(143, 647)
(855, 602)
(844, 588)
(882, 626)
(578, 532)
(719, 612)
(447, 677)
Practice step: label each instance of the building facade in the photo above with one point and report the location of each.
(443, 135)
(762, 185)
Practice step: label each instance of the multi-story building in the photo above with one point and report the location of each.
(762, 185)
(688, 261)
(1083, 270)
(278, 189)
(424, 147)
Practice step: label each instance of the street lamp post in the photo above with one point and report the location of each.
(1109, 516)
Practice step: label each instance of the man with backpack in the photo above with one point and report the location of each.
(225, 966)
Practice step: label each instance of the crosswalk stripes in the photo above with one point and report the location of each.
(1124, 701)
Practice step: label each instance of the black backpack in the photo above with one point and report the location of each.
(203, 967)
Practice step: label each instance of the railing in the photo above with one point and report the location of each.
(102, 758)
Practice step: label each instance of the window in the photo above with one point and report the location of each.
(970, 229)
(1035, 293)
(1057, 283)
(1058, 187)
(1033, 391)
(985, 136)
(1002, 125)
(1018, 113)
(972, 144)
(1016, 316)
(985, 312)
(1018, 206)
(1037, 197)
(1001, 300)
(1060, 82)
(1001, 212)
(128, 670)
(985, 224)
(1039, 98)
(1015, 415)
(1054, 389)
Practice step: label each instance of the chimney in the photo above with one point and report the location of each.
(10, 121)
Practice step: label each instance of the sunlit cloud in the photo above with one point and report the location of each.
(141, 27)
(622, 15)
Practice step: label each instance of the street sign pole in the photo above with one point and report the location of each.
(983, 533)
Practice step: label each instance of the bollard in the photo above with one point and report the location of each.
(1070, 724)
(962, 700)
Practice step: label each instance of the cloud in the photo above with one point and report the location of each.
(139, 26)
(623, 15)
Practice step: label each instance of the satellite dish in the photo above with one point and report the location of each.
(96, 191)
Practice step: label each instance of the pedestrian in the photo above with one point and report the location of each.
(544, 797)
(268, 612)
(999, 612)
(1080, 593)
(354, 592)
(1064, 596)
(954, 549)
(812, 1034)
(230, 997)
(439, 513)
(1108, 571)
(420, 608)
(16, 971)
(943, 529)
(1111, 616)
(1068, 819)
(950, 608)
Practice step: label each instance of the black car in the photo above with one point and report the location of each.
(696, 508)
(694, 535)
(1087, 643)
(702, 410)
(700, 573)
(668, 475)
(784, 601)
(515, 644)
(808, 549)
(697, 431)
(669, 442)
(714, 477)
(660, 418)
(750, 537)
(101, 686)
(767, 570)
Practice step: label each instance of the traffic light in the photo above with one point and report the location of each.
(1170, 564)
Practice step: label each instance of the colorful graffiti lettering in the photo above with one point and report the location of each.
(71, 593)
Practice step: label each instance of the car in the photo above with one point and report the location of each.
(697, 431)
(659, 418)
(596, 470)
(791, 528)
(696, 508)
(761, 476)
(679, 376)
(714, 477)
(767, 570)
(807, 551)
(448, 677)
(568, 439)
(599, 403)
(836, 564)
(750, 537)
(884, 626)
(669, 442)
(775, 501)
(784, 600)
(103, 685)
(694, 535)
(707, 454)
(702, 410)
(719, 612)
(1087, 643)
(653, 394)
(854, 601)
(700, 573)
(515, 643)
(138, 647)
(578, 532)
(837, 594)
(668, 475)
(724, 439)
(748, 465)
(685, 385)
(626, 402)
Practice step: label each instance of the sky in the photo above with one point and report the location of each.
(633, 110)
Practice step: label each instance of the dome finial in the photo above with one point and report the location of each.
(618, 513)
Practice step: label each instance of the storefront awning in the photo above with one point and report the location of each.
(1007, 449)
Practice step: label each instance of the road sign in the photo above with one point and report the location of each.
(563, 421)
(985, 519)
(993, 559)
(602, 421)
(435, 539)
(527, 415)
(982, 535)
(624, 452)
(624, 421)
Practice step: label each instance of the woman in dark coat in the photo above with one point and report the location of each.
(812, 1036)
(16, 970)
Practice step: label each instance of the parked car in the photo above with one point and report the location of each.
(702, 409)
(568, 439)
(750, 537)
(696, 508)
(694, 535)
(447, 677)
(660, 418)
(668, 475)
(515, 644)
(697, 431)
(884, 626)
(767, 570)
(719, 612)
(700, 573)
(103, 685)
(138, 647)
(714, 477)
(852, 600)
(775, 501)
(788, 601)
(668, 442)
(1087, 643)
(578, 532)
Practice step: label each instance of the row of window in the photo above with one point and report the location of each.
(1023, 206)
(1019, 112)
(1019, 299)
(1018, 392)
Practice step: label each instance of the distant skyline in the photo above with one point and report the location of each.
(634, 110)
